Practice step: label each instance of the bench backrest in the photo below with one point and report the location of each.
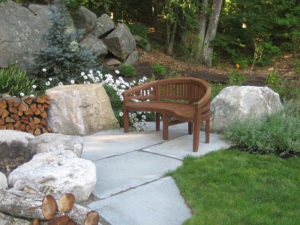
(186, 89)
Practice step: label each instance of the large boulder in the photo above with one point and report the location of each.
(14, 143)
(56, 142)
(92, 43)
(120, 42)
(80, 109)
(84, 19)
(21, 32)
(104, 25)
(238, 102)
(63, 171)
(3, 182)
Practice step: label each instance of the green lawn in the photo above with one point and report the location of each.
(233, 187)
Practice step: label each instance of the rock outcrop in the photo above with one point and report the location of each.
(103, 26)
(120, 42)
(80, 109)
(62, 172)
(21, 32)
(56, 142)
(94, 44)
(238, 102)
(84, 19)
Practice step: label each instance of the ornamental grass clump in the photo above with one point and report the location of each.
(15, 82)
(277, 133)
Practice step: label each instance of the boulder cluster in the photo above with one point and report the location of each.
(55, 165)
(22, 31)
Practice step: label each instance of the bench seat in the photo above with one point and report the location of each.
(182, 99)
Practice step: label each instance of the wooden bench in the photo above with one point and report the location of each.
(185, 99)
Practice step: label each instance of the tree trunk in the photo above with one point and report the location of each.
(171, 43)
(39, 207)
(202, 28)
(211, 32)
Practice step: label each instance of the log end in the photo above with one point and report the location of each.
(92, 218)
(49, 207)
(66, 202)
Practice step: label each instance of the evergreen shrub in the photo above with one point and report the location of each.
(63, 59)
(127, 71)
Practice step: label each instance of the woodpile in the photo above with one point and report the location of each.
(46, 209)
(27, 114)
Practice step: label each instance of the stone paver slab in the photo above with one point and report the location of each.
(114, 142)
(120, 173)
(183, 146)
(157, 203)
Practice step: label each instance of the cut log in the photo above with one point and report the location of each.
(12, 109)
(36, 120)
(66, 202)
(37, 131)
(29, 112)
(4, 113)
(9, 120)
(44, 114)
(35, 222)
(62, 220)
(23, 107)
(83, 215)
(38, 207)
(40, 100)
(28, 100)
(3, 104)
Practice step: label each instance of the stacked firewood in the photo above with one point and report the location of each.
(27, 114)
(46, 209)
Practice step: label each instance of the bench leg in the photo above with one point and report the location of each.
(207, 130)
(157, 121)
(165, 126)
(196, 136)
(126, 120)
(190, 127)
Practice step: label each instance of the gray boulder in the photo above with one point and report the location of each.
(238, 102)
(3, 182)
(80, 109)
(92, 43)
(63, 171)
(120, 42)
(21, 32)
(84, 19)
(56, 142)
(14, 143)
(132, 58)
(104, 25)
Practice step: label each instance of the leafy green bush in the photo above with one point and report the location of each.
(236, 78)
(159, 70)
(15, 81)
(127, 71)
(273, 77)
(138, 29)
(277, 133)
(63, 59)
